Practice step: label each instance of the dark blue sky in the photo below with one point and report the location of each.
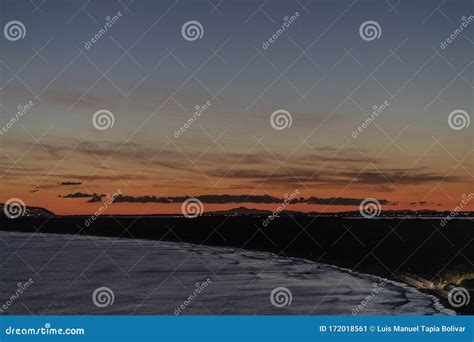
(150, 78)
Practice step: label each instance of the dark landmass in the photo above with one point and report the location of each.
(404, 213)
(29, 211)
(387, 247)
(243, 211)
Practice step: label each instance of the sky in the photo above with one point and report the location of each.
(320, 69)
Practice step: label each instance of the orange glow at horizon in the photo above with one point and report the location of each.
(80, 206)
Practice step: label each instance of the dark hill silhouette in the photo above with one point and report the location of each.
(29, 211)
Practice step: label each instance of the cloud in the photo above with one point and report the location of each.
(422, 203)
(76, 195)
(95, 198)
(292, 177)
(59, 148)
(69, 183)
(404, 176)
(145, 165)
(214, 199)
(341, 201)
(225, 199)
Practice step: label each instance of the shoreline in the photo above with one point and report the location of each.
(391, 289)
(285, 238)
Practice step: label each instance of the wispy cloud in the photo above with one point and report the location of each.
(76, 195)
(69, 183)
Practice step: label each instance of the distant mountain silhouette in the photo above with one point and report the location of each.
(244, 211)
(29, 211)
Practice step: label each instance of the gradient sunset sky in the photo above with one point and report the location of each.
(320, 70)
